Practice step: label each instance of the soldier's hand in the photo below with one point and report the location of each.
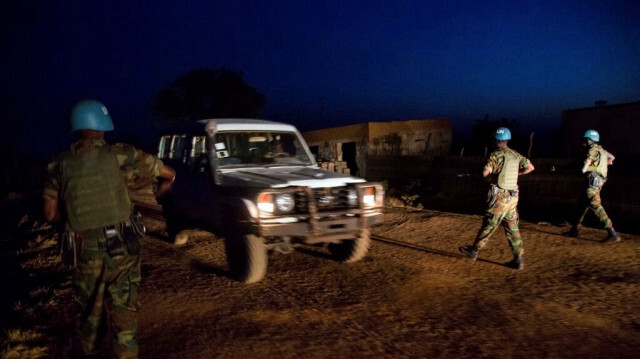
(167, 177)
(163, 188)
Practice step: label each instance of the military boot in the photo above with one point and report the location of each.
(470, 252)
(573, 232)
(181, 238)
(612, 236)
(516, 262)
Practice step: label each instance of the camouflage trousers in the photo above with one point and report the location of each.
(503, 211)
(590, 200)
(107, 292)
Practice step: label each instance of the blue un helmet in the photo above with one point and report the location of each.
(90, 115)
(592, 135)
(503, 134)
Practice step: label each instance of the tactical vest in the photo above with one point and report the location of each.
(600, 164)
(94, 193)
(508, 177)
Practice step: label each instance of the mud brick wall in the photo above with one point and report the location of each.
(335, 166)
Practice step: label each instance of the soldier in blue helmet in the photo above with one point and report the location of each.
(87, 188)
(595, 169)
(502, 199)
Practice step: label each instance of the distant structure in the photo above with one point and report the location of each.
(618, 125)
(397, 150)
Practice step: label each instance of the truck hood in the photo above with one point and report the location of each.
(278, 177)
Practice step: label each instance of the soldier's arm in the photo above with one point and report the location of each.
(586, 164)
(168, 175)
(490, 166)
(610, 158)
(151, 166)
(528, 169)
(50, 193)
(51, 212)
(589, 160)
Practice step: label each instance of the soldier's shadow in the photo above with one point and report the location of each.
(563, 234)
(501, 264)
(318, 252)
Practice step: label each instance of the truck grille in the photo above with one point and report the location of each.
(326, 199)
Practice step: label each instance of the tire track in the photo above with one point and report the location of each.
(155, 212)
(179, 255)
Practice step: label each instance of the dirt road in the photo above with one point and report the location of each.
(576, 298)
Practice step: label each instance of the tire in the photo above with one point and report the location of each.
(246, 257)
(351, 250)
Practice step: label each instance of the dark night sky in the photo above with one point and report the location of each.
(319, 63)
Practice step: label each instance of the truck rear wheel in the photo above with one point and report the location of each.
(246, 257)
(351, 250)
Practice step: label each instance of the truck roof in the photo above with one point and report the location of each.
(240, 124)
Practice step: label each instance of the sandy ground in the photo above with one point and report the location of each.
(576, 298)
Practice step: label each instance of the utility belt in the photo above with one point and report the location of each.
(495, 190)
(125, 235)
(119, 239)
(594, 180)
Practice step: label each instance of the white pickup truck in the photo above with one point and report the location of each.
(256, 184)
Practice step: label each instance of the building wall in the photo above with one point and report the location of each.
(382, 144)
(336, 134)
(618, 125)
(410, 138)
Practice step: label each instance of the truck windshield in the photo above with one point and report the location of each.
(259, 148)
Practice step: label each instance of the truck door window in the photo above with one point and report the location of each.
(177, 147)
(163, 147)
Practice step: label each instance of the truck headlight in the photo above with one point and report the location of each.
(276, 203)
(369, 196)
(285, 202)
(265, 202)
(352, 198)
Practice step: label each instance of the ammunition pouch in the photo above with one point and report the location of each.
(137, 223)
(126, 235)
(131, 239)
(133, 231)
(115, 244)
(492, 195)
(494, 192)
(594, 180)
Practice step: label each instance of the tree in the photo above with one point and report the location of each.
(482, 135)
(207, 93)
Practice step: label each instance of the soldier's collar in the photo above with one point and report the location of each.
(85, 144)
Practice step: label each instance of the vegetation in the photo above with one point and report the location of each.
(37, 309)
(207, 93)
(409, 196)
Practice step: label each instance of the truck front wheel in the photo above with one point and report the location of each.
(351, 250)
(246, 257)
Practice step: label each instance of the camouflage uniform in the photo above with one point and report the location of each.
(105, 285)
(503, 208)
(590, 198)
